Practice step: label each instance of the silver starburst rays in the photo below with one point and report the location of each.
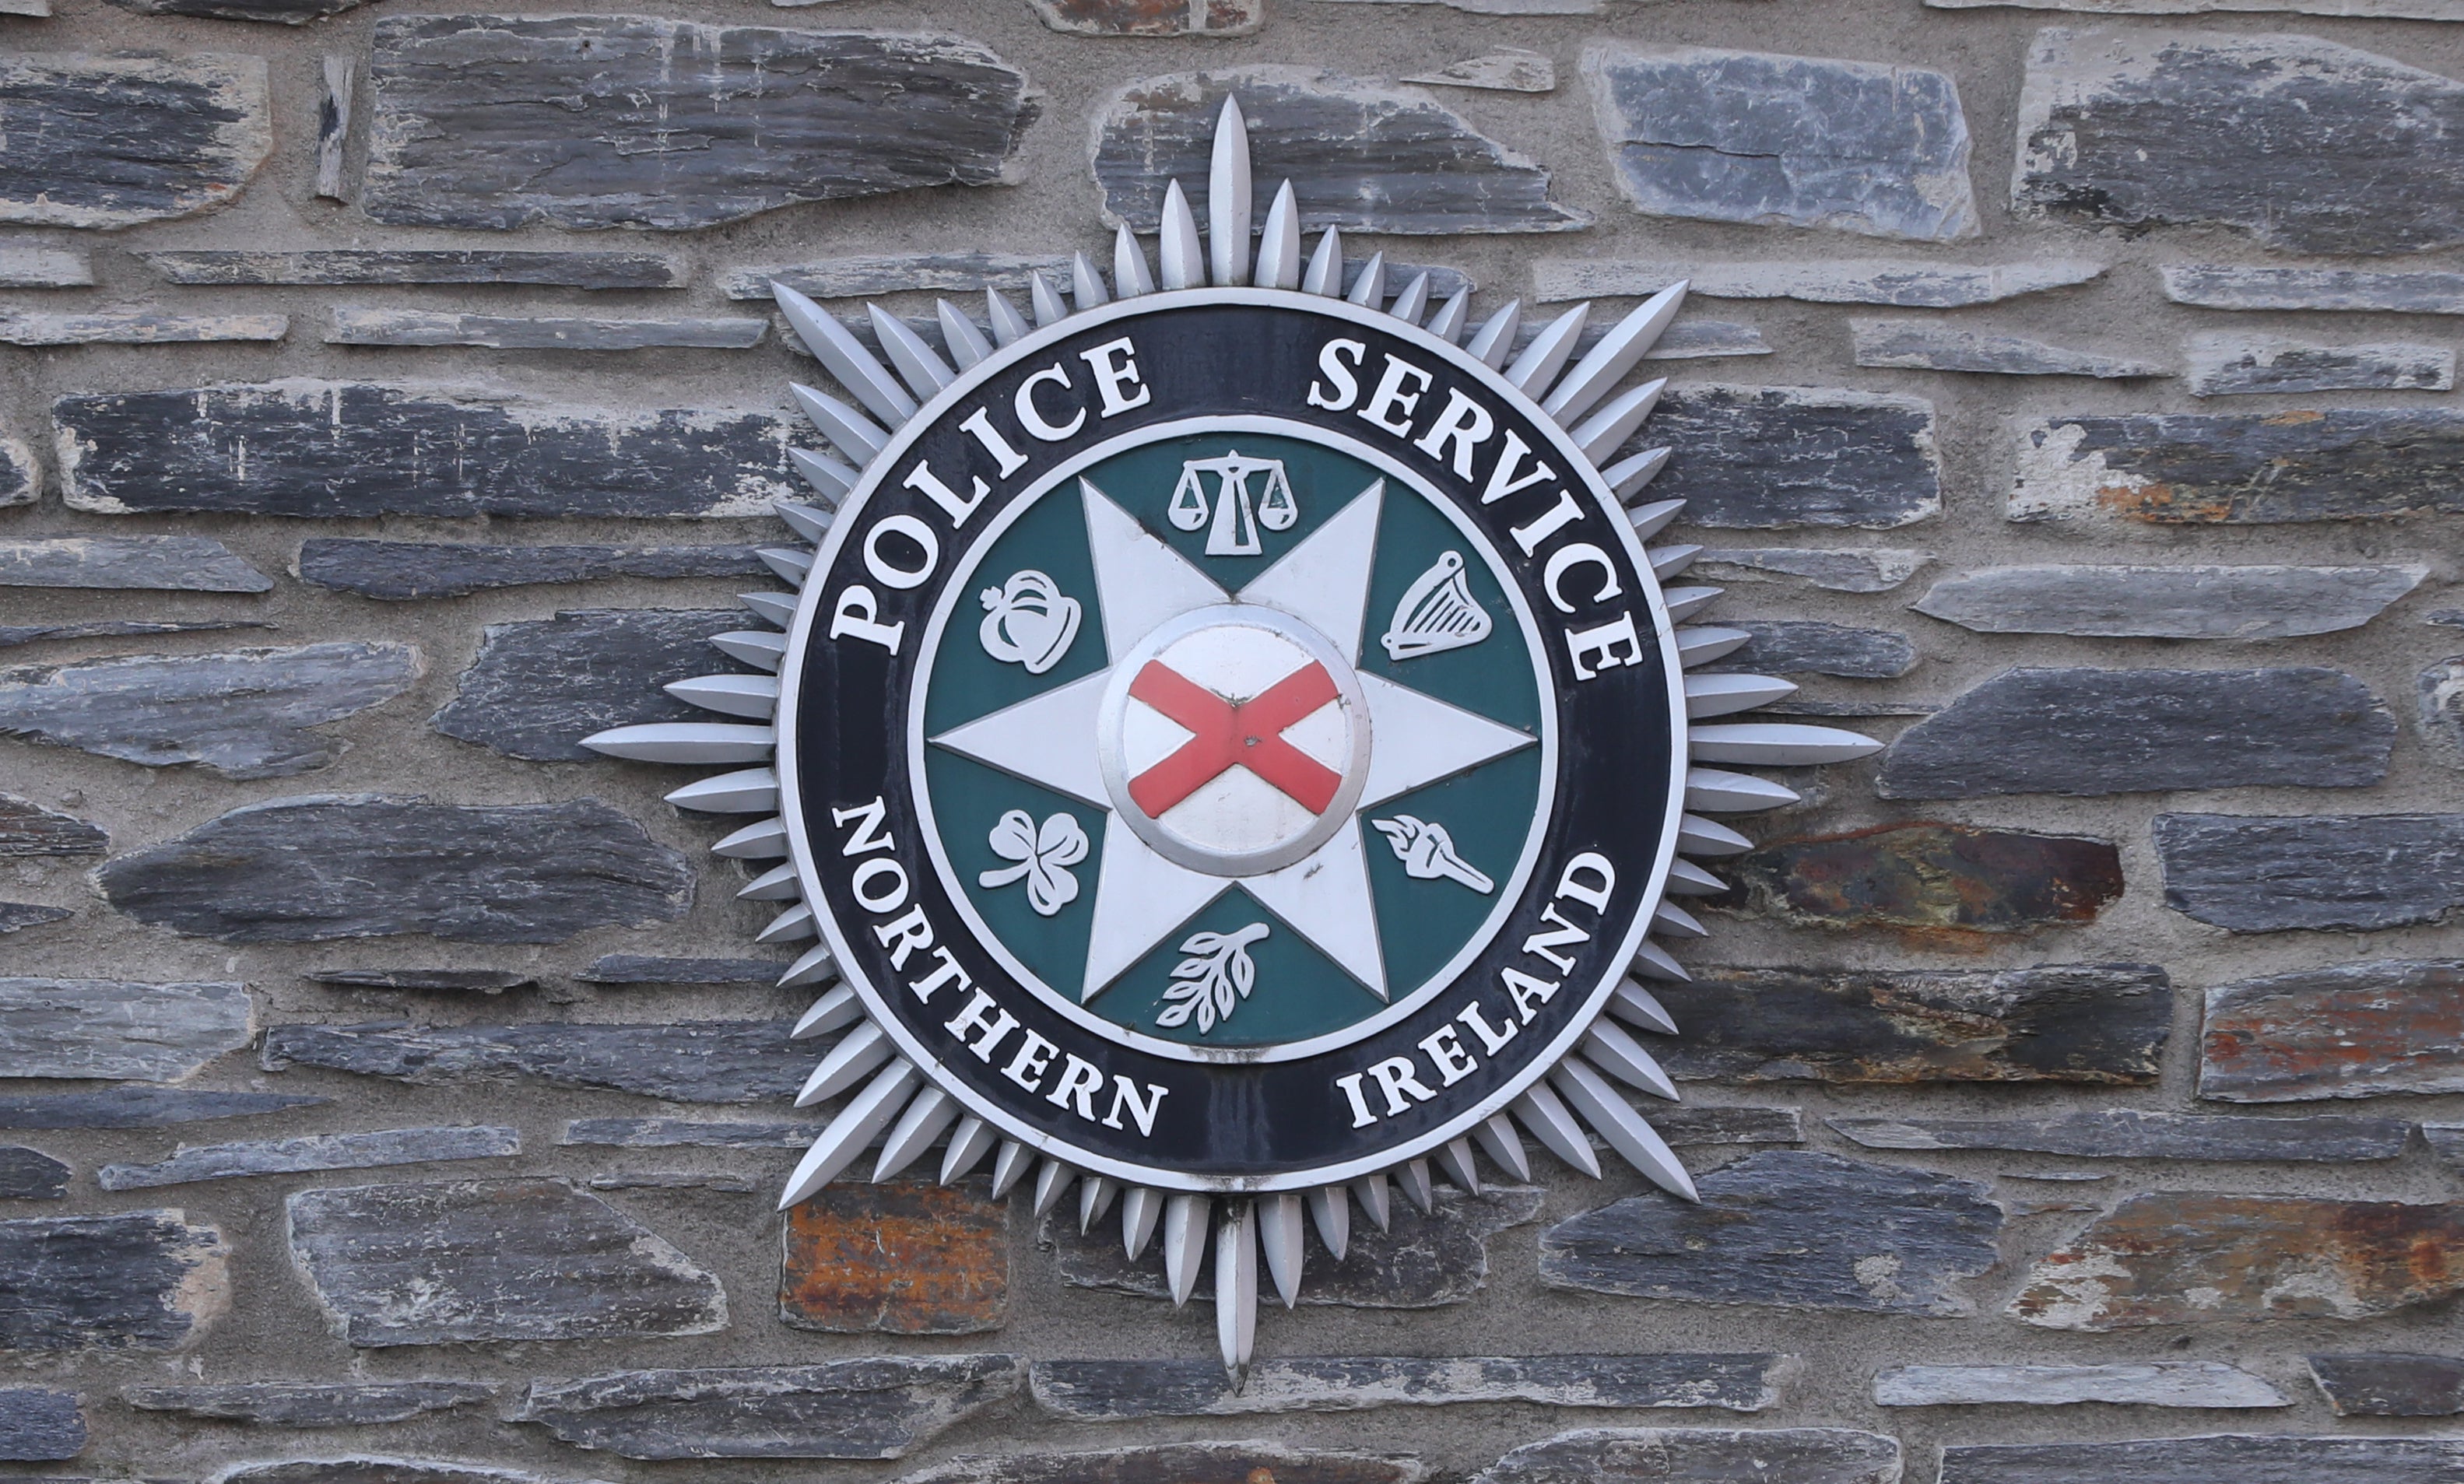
(886, 1104)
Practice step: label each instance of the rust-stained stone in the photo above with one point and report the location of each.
(2352, 1031)
(1152, 17)
(904, 1258)
(1929, 875)
(2170, 469)
(2192, 1257)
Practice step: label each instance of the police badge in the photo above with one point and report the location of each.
(1232, 744)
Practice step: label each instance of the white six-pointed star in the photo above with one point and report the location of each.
(1331, 741)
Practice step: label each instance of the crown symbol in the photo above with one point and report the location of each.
(1237, 518)
(1028, 621)
(1438, 612)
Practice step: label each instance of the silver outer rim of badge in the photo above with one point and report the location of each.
(887, 1100)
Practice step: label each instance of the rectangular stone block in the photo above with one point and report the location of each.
(1775, 457)
(17, 916)
(128, 563)
(141, 1280)
(109, 142)
(117, 1029)
(137, 327)
(2197, 1384)
(683, 1062)
(142, 1107)
(2383, 1384)
(646, 969)
(2390, 9)
(1247, 1462)
(31, 1175)
(2223, 286)
(901, 1258)
(1900, 283)
(1927, 876)
(1806, 646)
(40, 1426)
(29, 829)
(863, 1409)
(45, 267)
(12, 635)
(2231, 365)
(295, 1404)
(1114, 1390)
(398, 571)
(2352, 1031)
(867, 275)
(2169, 469)
(2226, 1458)
(1919, 345)
(1867, 570)
(2270, 873)
(2138, 1133)
(538, 686)
(353, 324)
(2242, 602)
(665, 1133)
(315, 1152)
(333, 265)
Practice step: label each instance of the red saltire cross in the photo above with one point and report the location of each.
(1234, 734)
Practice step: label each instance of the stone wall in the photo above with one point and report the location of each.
(394, 1093)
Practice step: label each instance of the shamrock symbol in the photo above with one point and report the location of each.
(1043, 857)
(1217, 977)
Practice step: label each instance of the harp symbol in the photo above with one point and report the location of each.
(1438, 612)
(1238, 513)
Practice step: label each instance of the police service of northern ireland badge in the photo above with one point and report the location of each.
(1233, 746)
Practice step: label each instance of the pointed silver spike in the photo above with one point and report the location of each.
(814, 965)
(1627, 477)
(751, 646)
(764, 840)
(1540, 1111)
(1723, 695)
(1045, 300)
(1052, 1181)
(1412, 1177)
(728, 695)
(969, 1143)
(1496, 1136)
(829, 478)
(1599, 435)
(1668, 920)
(967, 344)
(1701, 643)
(1279, 248)
(1010, 1166)
(1281, 1229)
(927, 1114)
(749, 790)
(857, 1125)
(857, 436)
(1329, 1208)
(1651, 961)
(1377, 1201)
(1697, 836)
(837, 348)
(1413, 302)
(792, 926)
(1324, 273)
(918, 364)
(775, 885)
(1684, 602)
(1669, 560)
(837, 1009)
(1612, 1049)
(1628, 1132)
(1712, 791)
(790, 565)
(1447, 323)
(1641, 1008)
(1773, 743)
(850, 1061)
(1182, 260)
(1130, 275)
(1236, 1287)
(1686, 879)
(1494, 340)
(1227, 198)
(1455, 1162)
(1608, 362)
(1141, 1209)
(776, 609)
(1085, 284)
(1095, 1196)
(1369, 290)
(1009, 326)
(1540, 362)
(810, 523)
(1649, 520)
(707, 743)
(1185, 1219)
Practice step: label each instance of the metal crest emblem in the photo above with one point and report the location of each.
(1232, 744)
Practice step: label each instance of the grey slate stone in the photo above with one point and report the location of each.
(1790, 1227)
(150, 563)
(2260, 468)
(231, 266)
(1363, 156)
(21, 478)
(1113, 1390)
(2223, 1458)
(450, 981)
(120, 1030)
(136, 1280)
(39, 1425)
(2307, 145)
(586, 121)
(1247, 1461)
(341, 79)
(492, 1259)
(2230, 365)
(2392, 10)
(1900, 283)
(281, 12)
(1805, 646)
(17, 916)
(30, 1175)
(1877, 569)
(1696, 1123)
(315, 1152)
(2199, 1384)
(107, 142)
(2385, 1385)
(1706, 340)
(45, 267)
(375, 1470)
(314, 449)
(1774, 457)
(2135, 1133)
(2438, 695)
(1777, 140)
(397, 570)
(1919, 345)
(13, 634)
(2090, 731)
(866, 275)
(138, 327)
(668, 1133)
(308, 1404)
(361, 325)
(2242, 602)
(246, 713)
(1701, 1455)
(1152, 17)
(877, 1407)
(538, 686)
(675, 1179)
(683, 1062)
(2263, 873)
(642, 968)
(29, 829)
(1507, 70)
(142, 1107)
(2360, 1029)
(2226, 286)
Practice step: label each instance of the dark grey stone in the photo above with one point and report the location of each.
(376, 1470)
(630, 120)
(683, 1062)
(871, 275)
(2248, 469)
(306, 870)
(306, 1404)
(1706, 340)
(2229, 365)
(1697, 1124)
(1790, 1227)
(2264, 873)
(142, 1107)
(2194, 1383)
(2307, 145)
(418, 266)
(44, 267)
(877, 1407)
(674, 1180)
(2384, 1385)
(398, 570)
(1701, 1455)
(1775, 141)
(333, 448)
(154, 563)
(246, 713)
(539, 687)
(1774, 457)
(2438, 696)
(2446, 1140)
(2133, 1133)
(136, 1280)
(1804, 646)
(640, 969)
(315, 1152)
(1918, 346)
(117, 1029)
(21, 479)
(30, 1175)
(2236, 603)
(492, 1259)
(2222, 1458)
(12, 635)
(447, 981)
(1113, 1390)
(2088, 731)
(1245, 1461)
(29, 829)
(282, 13)
(360, 325)
(668, 1133)
(38, 1425)
(138, 327)
(17, 916)
(1362, 156)
(1899, 283)
(2223, 286)
(110, 142)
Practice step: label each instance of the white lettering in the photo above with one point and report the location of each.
(1125, 1095)
(1555, 518)
(923, 480)
(1011, 461)
(1330, 362)
(1448, 1054)
(1390, 398)
(1032, 420)
(1464, 423)
(973, 1018)
(1501, 479)
(881, 567)
(1565, 935)
(905, 935)
(1490, 1037)
(884, 901)
(1591, 863)
(1395, 1078)
(856, 615)
(1582, 554)
(1034, 1055)
(1361, 1117)
(1080, 1082)
(1114, 366)
(868, 835)
(948, 973)
(1600, 646)
(1524, 988)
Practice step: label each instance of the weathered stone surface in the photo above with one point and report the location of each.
(1902, 284)
(21, 478)
(111, 1028)
(1921, 345)
(2092, 1023)
(1111, 1390)
(1804, 646)
(284, 12)
(629, 121)
(683, 1062)
(675, 1179)
(306, 870)
(2135, 1133)
(1706, 340)
(666, 1133)
(29, 829)
(13, 634)
(1791, 1228)
(1421, 1262)
(2224, 285)
(2241, 603)
(2264, 873)
(2381, 1385)
(1152, 17)
(152, 563)
(114, 141)
(2226, 1458)
(17, 916)
(30, 1175)
(395, 571)
(1875, 569)
(1507, 70)
(1696, 1123)
(1634, 1455)
(867, 274)
(451, 981)
(492, 1259)
(310, 448)
(142, 1107)
(137, 1281)
(2259, 469)
(640, 968)
(1361, 156)
(40, 1426)
(2439, 697)
(300, 1403)
(539, 687)
(45, 267)
(2392, 10)
(1927, 877)
(2228, 366)
(374, 1470)
(2352, 1031)
(903, 1258)
(1778, 141)
(2089, 731)
(417, 266)
(2307, 145)
(1773, 457)
(314, 1152)
(246, 713)
(341, 79)
(864, 1409)
(2198, 1256)
(1249, 1462)
(361, 325)
(137, 327)
(2146, 1384)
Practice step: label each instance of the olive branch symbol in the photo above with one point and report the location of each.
(1216, 976)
